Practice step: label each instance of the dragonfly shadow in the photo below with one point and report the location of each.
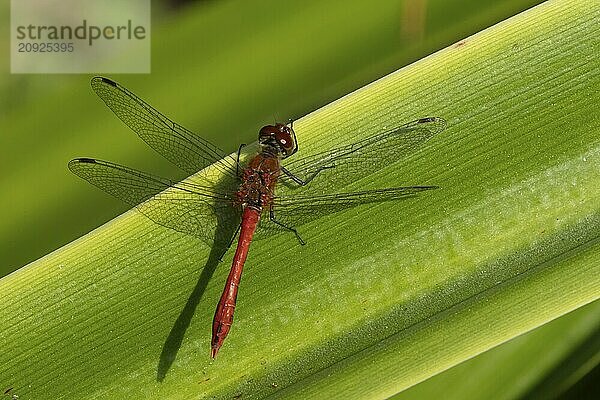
(225, 231)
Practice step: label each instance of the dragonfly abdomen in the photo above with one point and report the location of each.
(226, 307)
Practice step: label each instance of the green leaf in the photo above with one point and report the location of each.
(538, 365)
(383, 296)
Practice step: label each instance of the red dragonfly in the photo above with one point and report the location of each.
(230, 190)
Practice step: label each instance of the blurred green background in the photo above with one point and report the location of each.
(222, 69)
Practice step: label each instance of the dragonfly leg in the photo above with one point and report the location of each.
(304, 182)
(237, 164)
(230, 243)
(289, 228)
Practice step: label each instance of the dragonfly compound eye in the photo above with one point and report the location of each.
(287, 141)
(267, 131)
(279, 135)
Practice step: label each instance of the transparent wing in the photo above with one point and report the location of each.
(341, 166)
(194, 209)
(297, 210)
(182, 147)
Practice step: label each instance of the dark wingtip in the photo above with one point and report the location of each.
(84, 160)
(73, 165)
(438, 124)
(76, 161)
(104, 80)
(427, 187)
(432, 119)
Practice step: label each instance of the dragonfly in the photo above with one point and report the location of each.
(252, 190)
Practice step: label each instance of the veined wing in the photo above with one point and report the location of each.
(295, 210)
(177, 144)
(343, 165)
(185, 207)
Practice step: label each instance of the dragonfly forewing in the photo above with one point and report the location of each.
(344, 165)
(177, 144)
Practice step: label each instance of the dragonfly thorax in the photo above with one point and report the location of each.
(258, 181)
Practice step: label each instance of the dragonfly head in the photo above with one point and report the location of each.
(280, 137)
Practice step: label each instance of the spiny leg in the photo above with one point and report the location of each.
(306, 181)
(237, 164)
(289, 228)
